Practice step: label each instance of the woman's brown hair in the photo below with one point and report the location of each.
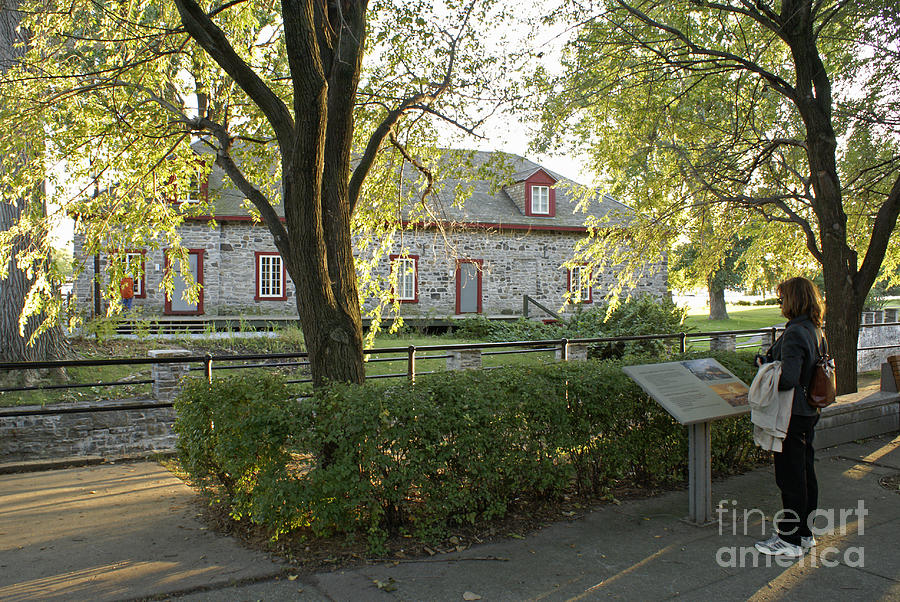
(800, 296)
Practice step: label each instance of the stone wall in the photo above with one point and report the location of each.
(874, 336)
(515, 263)
(229, 271)
(106, 434)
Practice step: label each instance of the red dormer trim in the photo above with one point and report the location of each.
(170, 189)
(540, 178)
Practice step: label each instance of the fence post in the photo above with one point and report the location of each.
(565, 349)
(683, 339)
(411, 363)
(167, 377)
(464, 359)
(209, 368)
(723, 342)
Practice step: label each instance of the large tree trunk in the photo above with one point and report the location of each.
(842, 330)
(14, 345)
(717, 309)
(839, 261)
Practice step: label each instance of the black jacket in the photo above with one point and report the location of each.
(796, 348)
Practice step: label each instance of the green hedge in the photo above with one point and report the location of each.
(453, 448)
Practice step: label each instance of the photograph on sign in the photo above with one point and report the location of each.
(693, 390)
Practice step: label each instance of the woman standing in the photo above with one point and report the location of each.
(795, 471)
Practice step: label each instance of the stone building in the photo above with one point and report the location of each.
(483, 257)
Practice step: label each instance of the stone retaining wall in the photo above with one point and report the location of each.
(107, 434)
(874, 336)
(858, 416)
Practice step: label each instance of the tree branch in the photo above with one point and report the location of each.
(387, 125)
(415, 163)
(883, 228)
(776, 82)
(262, 204)
(215, 43)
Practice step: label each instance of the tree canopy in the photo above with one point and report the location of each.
(313, 104)
(782, 117)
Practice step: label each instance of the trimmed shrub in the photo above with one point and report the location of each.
(453, 448)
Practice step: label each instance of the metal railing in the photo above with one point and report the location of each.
(209, 363)
(528, 300)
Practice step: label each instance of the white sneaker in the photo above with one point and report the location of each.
(775, 546)
(808, 542)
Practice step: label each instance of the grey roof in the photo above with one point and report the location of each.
(488, 203)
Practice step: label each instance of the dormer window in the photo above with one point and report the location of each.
(540, 200)
(540, 195)
(193, 194)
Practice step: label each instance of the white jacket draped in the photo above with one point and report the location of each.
(770, 409)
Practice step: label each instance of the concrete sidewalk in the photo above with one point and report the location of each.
(128, 531)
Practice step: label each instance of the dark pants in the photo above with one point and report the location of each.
(795, 474)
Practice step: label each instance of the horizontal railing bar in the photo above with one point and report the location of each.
(85, 410)
(241, 366)
(423, 348)
(514, 351)
(77, 386)
(399, 374)
(879, 324)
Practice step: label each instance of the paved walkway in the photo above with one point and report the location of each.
(128, 531)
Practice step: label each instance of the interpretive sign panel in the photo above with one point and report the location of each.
(693, 391)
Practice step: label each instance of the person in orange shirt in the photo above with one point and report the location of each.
(127, 291)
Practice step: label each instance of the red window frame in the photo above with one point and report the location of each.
(415, 259)
(590, 288)
(202, 184)
(140, 283)
(478, 272)
(540, 178)
(259, 297)
(167, 308)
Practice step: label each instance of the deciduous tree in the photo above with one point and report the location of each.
(787, 110)
(278, 95)
(26, 276)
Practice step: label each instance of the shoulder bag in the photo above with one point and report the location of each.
(821, 392)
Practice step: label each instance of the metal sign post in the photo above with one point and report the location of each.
(695, 392)
(699, 473)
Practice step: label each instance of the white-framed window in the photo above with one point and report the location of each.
(580, 284)
(540, 200)
(270, 276)
(193, 193)
(134, 267)
(406, 271)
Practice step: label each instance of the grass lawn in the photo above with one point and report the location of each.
(430, 361)
(742, 317)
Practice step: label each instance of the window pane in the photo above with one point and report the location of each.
(270, 280)
(540, 199)
(579, 284)
(192, 194)
(406, 278)
(133, 268)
